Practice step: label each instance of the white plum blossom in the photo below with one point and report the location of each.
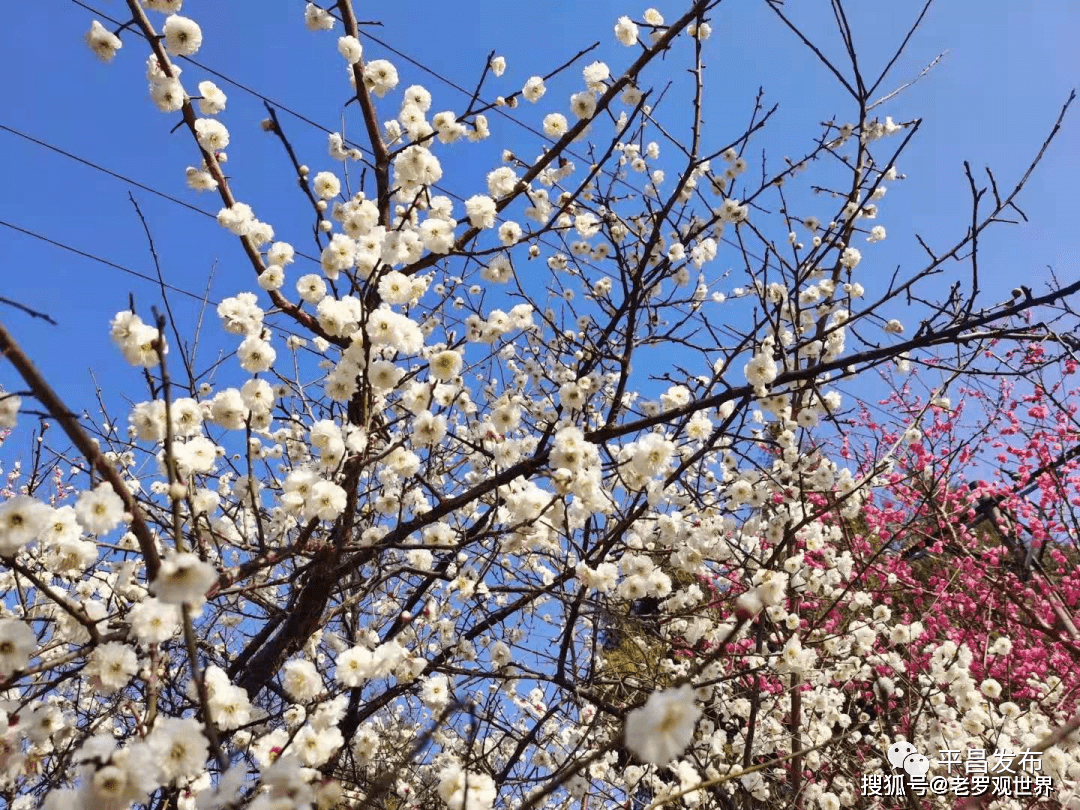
(301, 679)
(534, 89)
(212, 134)
(350, 48)
(103, 42)
(99, 510)
(22, 518)
(662, 729)
(466, 790)
(183, 37)
(380, 76)
(317, 18)
(183, 579)
(213, 100)
(17, 643)
(179, 746)
(112, 665)
(626, 31)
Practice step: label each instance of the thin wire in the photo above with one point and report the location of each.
(123, 178)
(364, 150)
(109, 172)
(106, 262)
(157, 282)
(449, 83)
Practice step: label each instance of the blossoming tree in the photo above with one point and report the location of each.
(370, 564)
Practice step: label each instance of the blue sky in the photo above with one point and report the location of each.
(991, 101)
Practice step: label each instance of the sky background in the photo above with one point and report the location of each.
(991, 101)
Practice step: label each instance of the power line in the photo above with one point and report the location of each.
(123, 178)
(109, 172)
(363, 149)
(106, 262)
(135, 273)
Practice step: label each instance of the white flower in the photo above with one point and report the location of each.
(501, 182)
(103, 42)
(183, 37)
(626, 31)
(350, 48)
(153, 621)
(112, 665)
(445, 365)
(228, 410)
(168, 95)
(179, 746)
(850, 258)
(326, 501)
(317, 19)
(437, 235)
(110, 782)
(555, 125)
(135, 339)
(315, 746)
(702, 32)
(388, 328)
(481, 211)
(583, 105)
(99, 510)
(354, 666)
(395, 288)
(498, 65)
(212, 134)
(9, 408)
(761, 370)
(384, 375)
(256, 355)
(301, 680)
(465, 790)
(428, 429)
(199, 180)
(61, 526)
(662, 729)
(230, 706)
(213, 100)
(534, 89)
(311, 288)
(281, 253)
(651, 454)
(183, 579)
(436, 692)
(380, 77)
(417, 96)
(417, 165)
(500, 270)
(326, 185)
(596, 72)
(509, 233)
(17, 643)
(22, 518)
